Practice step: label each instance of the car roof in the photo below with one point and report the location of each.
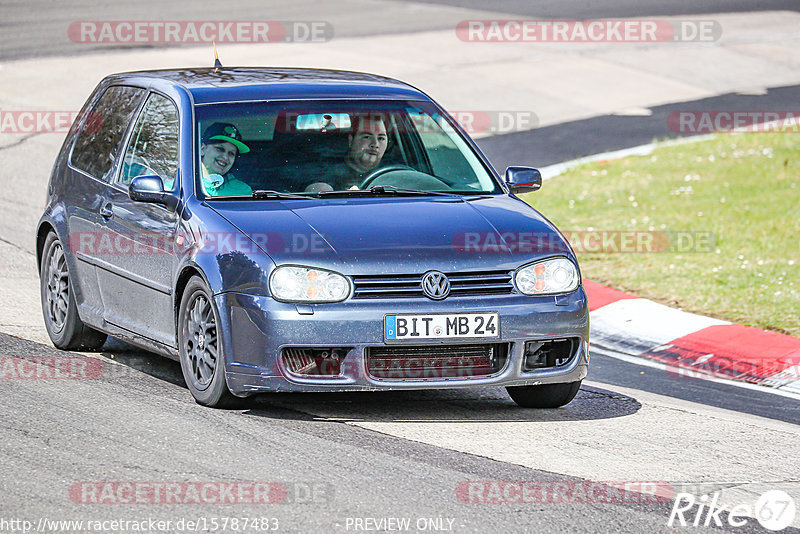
(237, 84)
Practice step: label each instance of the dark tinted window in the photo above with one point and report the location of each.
(153, 147)
(101, 134)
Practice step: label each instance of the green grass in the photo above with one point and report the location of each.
(743, 188)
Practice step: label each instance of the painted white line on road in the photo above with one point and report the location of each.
(637, 360)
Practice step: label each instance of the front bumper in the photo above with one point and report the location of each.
(255, 329)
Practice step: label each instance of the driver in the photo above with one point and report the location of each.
(367, 144)
(220, 144)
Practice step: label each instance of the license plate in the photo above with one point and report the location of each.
(441, 326)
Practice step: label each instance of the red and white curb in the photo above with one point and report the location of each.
(684, 344)
(690, 345)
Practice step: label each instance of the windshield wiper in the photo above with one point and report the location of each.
(381, 190)
(261, 194)
(265, 194)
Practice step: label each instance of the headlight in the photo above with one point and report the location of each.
(557, 275)
(306, 284)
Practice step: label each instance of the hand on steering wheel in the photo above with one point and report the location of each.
(368, 179)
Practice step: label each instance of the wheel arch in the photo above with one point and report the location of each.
(41, 236)
(185, 275)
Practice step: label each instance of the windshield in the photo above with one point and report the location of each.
(314, 147)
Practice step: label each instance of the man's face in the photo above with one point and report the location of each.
(368, 144)
(218, 157)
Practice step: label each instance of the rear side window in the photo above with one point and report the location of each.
(99, 139)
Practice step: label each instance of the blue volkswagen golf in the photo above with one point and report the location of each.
(304, 230)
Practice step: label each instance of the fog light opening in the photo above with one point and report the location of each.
(314, 362)
(551, 353)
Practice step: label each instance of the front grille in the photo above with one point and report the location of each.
(436, 361)
(410, 286)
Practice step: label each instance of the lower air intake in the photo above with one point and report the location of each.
(436, 362)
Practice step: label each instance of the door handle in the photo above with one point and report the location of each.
(107, 211)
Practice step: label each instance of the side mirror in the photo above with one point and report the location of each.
(523, 179)
(150, 188)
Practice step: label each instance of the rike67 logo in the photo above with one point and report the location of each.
(774, 510)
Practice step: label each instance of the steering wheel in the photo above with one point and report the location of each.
(371, 177)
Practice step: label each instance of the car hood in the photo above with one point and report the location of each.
(397, 234)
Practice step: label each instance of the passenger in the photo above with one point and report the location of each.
(220, 145)
(367, 144)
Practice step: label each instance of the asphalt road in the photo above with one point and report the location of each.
(575, 139)
(36, 28)
(137, 423)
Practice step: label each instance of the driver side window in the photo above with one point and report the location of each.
(153, 147)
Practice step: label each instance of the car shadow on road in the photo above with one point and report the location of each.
(121, 355)
(478, 405)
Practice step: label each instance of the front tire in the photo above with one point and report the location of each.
(544, 396)
(201, 356)
(64, 326)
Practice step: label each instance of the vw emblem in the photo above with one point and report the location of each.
(435, 285)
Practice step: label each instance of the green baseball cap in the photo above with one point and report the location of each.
(223, 131)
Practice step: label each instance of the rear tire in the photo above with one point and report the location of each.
(201, 356)
(64, 326)
(544, 396)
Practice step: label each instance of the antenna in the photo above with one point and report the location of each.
(217, 62)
